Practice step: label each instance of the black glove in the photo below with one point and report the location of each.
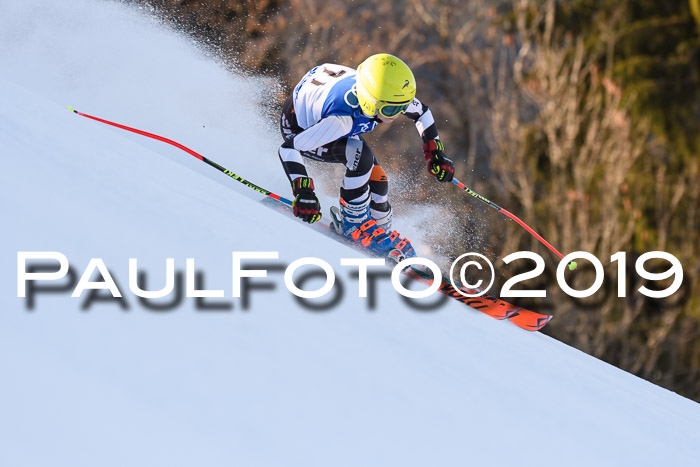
(305, 205)
(439, 164)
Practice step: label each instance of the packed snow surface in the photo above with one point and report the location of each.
(275, 384)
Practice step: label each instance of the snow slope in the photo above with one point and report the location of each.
(276, 384)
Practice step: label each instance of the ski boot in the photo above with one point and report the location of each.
(353, 222)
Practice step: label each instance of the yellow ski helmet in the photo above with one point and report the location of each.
(385, 85)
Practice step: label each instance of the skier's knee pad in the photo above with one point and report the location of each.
(378, 181)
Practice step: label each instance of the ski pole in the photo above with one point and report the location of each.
(572, 264)
(191, 152)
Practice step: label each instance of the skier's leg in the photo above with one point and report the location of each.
(359, 162)
(365, 180)
(380, 209)
(364, 203)
(354, 192)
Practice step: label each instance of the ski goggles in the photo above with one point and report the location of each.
(391, 109)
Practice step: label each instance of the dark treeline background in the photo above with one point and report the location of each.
(580, 116)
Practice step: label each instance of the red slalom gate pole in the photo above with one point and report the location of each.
(191, 152)
(572, 264)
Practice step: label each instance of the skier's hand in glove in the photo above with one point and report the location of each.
(439, 165)
(305, 205)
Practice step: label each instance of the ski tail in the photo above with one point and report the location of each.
(487, 304)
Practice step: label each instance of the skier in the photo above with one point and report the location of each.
(324, 119)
